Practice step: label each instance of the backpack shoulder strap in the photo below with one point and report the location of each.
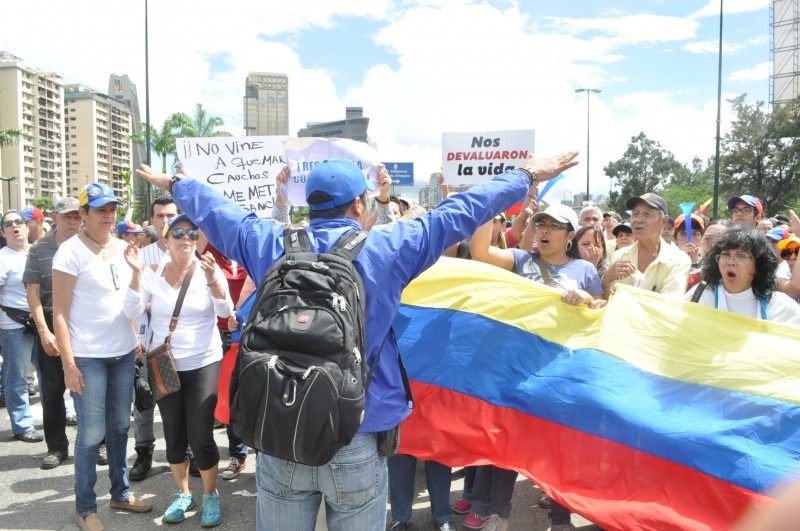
(350, 244)
(698, 291)
(295, 241)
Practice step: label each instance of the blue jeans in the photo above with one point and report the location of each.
(354, 484)
(492, 491)
(402, 469)
(17, 355)
(103, 411)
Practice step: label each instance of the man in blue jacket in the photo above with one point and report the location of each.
(354, 483)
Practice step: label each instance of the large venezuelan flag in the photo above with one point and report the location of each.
(648, 414)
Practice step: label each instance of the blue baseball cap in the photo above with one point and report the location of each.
(176, 219)
(340, 179)
(778, 233)
(126, 227)
(32, 212)
(97, 194)
(748, 199)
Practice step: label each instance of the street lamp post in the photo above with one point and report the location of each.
(8, 195)
(588, 92)
(147, 100)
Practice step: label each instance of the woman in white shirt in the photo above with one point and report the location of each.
(97, 345)
(16, 340)
(740, 272)
(188, 414)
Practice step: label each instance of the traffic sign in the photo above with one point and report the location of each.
(402, 173)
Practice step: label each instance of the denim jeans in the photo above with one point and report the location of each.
(354, 484)
(492, 491)
(17, 356)
(103, 410)
(402, 469)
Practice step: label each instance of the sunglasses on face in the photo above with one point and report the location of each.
(10, 223)
(180, 233)
(788, 253)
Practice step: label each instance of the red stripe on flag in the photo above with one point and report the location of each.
(613, 485)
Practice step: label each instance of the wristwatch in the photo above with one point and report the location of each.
(173, 181)
(531, 175)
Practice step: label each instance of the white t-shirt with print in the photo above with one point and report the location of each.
(97, 326)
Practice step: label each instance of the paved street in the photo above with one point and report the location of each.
(31, 498)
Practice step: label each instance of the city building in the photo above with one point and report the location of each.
(32, 102)
(97, 136)
(354, 127)
(122, 89)
(431, 195)
(266, 104)
(784, 81)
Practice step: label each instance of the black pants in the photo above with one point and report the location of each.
(188, 417)
(51, 379)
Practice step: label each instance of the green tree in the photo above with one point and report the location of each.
(761, 155)
(695, 187)
(162, 141)
(644, 167)
(201, 124)
(10, 136)
(45, 204)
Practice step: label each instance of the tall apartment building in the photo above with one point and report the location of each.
(784, 82)
(354, 127)
(266, 104)
(31, 101)
(97, 137)
(122, 89)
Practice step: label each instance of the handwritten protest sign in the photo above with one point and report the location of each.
(302, 154)
(243, 169)
(473, 158)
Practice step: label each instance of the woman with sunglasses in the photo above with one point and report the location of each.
(740, 271)
(97, 345)
(15, 338)
(187, 414)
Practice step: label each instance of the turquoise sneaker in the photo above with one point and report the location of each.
(211, 515)
(177, 511)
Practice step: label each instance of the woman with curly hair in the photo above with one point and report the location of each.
(740, 272)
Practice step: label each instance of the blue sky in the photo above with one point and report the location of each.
(423, 67)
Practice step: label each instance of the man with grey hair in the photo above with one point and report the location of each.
(38, 278)
(589, 215)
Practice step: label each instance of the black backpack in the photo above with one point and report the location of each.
(298, 387)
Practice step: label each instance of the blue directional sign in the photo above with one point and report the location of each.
(402, 173)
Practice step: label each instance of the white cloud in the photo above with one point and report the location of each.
(757, 73)
(642, 28)
(711, 9)
(712, 45)
(457, 66)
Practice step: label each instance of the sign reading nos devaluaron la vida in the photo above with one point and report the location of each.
(243, 169)
(473, 158)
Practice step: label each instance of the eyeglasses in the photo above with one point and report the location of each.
(727, 258)
(744, 210)
(788, 253)
(180, 233)
(114, 276)
(10, 223)
(549, 226)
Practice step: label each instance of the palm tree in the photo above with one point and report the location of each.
(163, 141)
(10, 136)
(200, 125)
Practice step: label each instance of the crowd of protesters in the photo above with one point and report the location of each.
(83, 295)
